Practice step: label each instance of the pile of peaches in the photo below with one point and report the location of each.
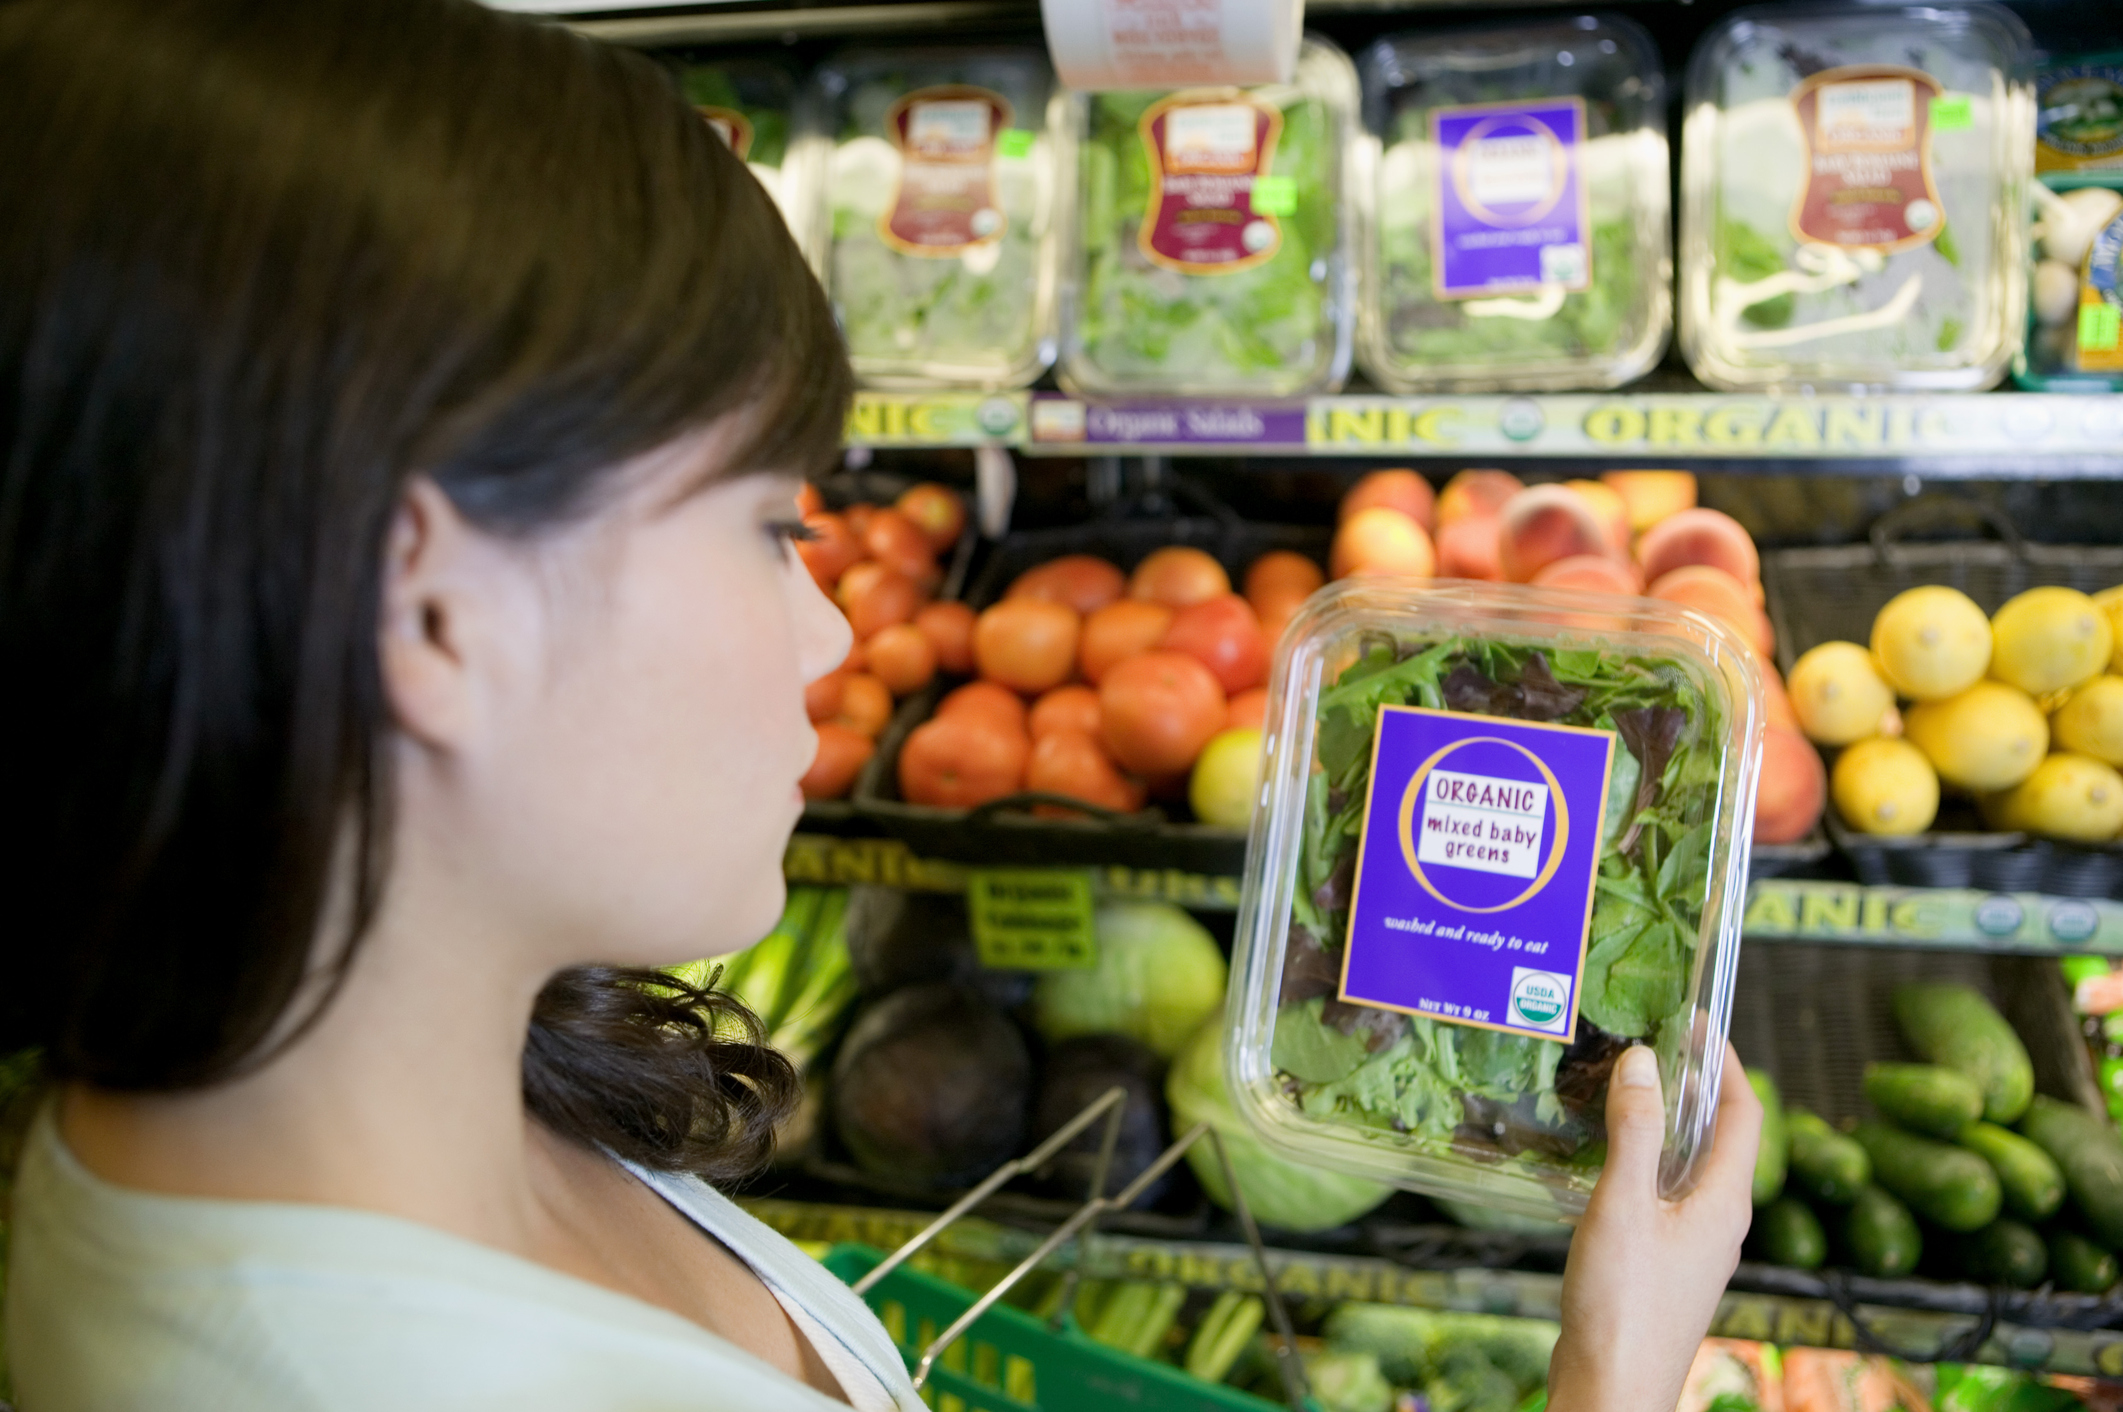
(1105, 686)
(879, 563)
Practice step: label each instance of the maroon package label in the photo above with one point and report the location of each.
(1868, 158)
(945, 204)
(733, 127)
(1206, 151)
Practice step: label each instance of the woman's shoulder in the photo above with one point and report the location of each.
(125, 1300)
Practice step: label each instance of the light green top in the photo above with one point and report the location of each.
(124, 1301)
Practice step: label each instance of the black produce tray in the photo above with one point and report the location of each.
(1005, 831)
(1828, 595)
(1799, 858)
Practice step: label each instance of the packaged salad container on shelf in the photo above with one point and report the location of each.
(1503, 836)
(1853, 184)
(1213, 234)
(1518, 232)
(941, 199)
(2079, 115)
(2075, 302)
(755, 105)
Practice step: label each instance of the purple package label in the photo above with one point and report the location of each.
(1512, 209)
(1474, 879)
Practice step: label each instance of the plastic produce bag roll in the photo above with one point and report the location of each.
(1853, 188)
(939, 213)
(1515, 183)
(1213, 238)
(1503, 837)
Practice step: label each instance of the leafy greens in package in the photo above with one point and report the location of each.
(1212, 249)
(1517, 186)
(939, 213)
(1853, 193)
(1506, 839)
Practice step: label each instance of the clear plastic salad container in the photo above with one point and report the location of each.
(2079, 115)
(1518, 234)
(1853, 183)
(756, 105)
(1502, 836)
(1213, 238)
(2075, 301)
(940, 212)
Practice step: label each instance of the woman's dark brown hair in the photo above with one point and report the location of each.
(261, 262)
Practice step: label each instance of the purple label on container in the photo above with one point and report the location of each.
(1475, 875)
(1511, 201)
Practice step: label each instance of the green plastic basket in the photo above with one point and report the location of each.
(1011, 1362)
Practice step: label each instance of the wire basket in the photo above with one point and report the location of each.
(1006, 831)
(1827, 595)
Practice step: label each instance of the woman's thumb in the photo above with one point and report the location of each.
(1636, 1122)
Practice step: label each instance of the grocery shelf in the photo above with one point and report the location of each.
(1918, 1318)
(2041, 434)
(1778, 909)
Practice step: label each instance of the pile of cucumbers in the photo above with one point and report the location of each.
(1971, 1172)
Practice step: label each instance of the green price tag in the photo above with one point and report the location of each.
(1275, 196)
(2100, 328)
(1031, 919)
(1013, 142)
(1953, 114)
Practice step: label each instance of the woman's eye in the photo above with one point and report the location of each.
(789, 531)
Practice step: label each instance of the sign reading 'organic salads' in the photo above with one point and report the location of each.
(1209, 153)
(1512, 206)
(1868, 158)
(1474, 879)
(946, 203)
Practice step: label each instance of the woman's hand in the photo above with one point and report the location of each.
(1645, 1275)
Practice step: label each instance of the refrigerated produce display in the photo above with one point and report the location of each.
(1372, 594)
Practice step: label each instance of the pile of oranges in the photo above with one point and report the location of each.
(1106, 686)
(879, 563)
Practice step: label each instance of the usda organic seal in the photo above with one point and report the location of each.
(1540, 1000)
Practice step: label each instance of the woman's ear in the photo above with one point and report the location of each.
(425, 633)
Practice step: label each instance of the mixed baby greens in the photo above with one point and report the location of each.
(1483, 1092)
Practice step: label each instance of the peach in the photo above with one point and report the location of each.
(1400, 489)
(1544, 524)
(1475, 493)
(1651, 495)
(1608, 506)
(1717, 593)
(1467, 549)
(1699, 536)
(1381, 541)
(1591, 573)
(1793, 790)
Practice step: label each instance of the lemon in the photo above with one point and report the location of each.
(1885, 786)
(1931, 642)
(1991, 736)
(2110, 601)
(1837, 693)
(2091, 720)
(1227, 778)
(2069, 796)
(2048, 639)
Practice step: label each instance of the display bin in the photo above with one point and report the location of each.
(1832, 594)
(1011, 1362)
(1005, 832)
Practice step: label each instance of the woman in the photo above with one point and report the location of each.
(401, 409)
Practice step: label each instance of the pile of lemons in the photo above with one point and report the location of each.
(2023, 710)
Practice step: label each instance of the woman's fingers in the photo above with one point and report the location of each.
(1636, 1125)
(1738, 1134)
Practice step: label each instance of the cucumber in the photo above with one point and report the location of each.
(1882, 1235)
(2091, 1157)
(1825, 1165)
(1945, 1184)
(1788, 1233)
(2005, 1252)
(2033, 1186)
(1775, 1150)
(2077, 1264)
(1955, 1026)
(1924, 1098)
